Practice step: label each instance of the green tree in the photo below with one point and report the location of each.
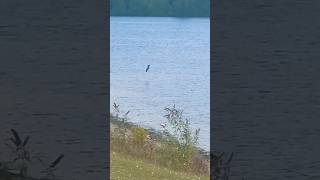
(177, 8)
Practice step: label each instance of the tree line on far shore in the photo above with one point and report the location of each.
(169, 8)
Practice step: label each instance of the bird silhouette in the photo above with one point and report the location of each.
(148, 68)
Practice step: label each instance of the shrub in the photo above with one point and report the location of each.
(168, 156)
(200, 165)
(139, 136)
(185, 141)
(119, 137)
(122, 118)
(137, 141)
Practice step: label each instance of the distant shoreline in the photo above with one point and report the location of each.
(160, 16)
(176, 8)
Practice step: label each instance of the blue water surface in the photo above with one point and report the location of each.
(178, 51)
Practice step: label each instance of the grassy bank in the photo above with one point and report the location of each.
(159, 155)
(124, 167)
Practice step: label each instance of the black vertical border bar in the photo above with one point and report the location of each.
(107, 50)
(212, 23)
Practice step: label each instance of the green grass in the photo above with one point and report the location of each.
(129, 168)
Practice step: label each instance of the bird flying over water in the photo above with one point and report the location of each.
(148, 68)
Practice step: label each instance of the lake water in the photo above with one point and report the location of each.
(178, 51)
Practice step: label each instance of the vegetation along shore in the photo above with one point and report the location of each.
(141, 153)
